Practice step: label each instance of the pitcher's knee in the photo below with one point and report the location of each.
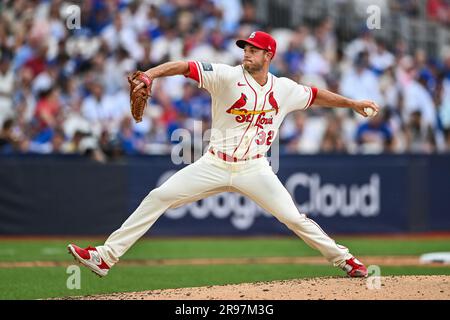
(160, 195)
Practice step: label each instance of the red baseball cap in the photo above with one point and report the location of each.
(261, 40)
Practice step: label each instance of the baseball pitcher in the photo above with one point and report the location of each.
(248, 107)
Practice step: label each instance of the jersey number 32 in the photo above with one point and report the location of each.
(264, 138)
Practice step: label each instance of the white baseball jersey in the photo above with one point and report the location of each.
(245, 115)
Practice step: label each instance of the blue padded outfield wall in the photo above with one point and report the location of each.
(344, 194)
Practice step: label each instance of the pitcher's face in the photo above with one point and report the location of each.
(255, 58)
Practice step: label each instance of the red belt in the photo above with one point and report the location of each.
(228, 158)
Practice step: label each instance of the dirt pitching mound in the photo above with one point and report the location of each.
(331, 288)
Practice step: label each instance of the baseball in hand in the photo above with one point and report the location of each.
(370, 112)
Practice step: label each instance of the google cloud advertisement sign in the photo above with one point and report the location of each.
(349, 200)
(329, 200)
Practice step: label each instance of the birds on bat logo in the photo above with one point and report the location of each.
(244, 115)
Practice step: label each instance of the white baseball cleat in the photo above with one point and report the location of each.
(90, 258)
(355, 268)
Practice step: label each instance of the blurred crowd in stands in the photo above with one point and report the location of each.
(64, 89)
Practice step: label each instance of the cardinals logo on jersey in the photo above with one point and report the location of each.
(244, 115)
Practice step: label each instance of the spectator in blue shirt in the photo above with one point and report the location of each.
(375, 135)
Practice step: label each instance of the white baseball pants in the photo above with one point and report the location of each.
(210, 175)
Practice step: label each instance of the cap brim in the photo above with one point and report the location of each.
(242, 42)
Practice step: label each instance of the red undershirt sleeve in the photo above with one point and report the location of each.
(314, 94)
(193, 71)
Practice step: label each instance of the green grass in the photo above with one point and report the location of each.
(55, 250)
(36, 283)
(33, 283)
